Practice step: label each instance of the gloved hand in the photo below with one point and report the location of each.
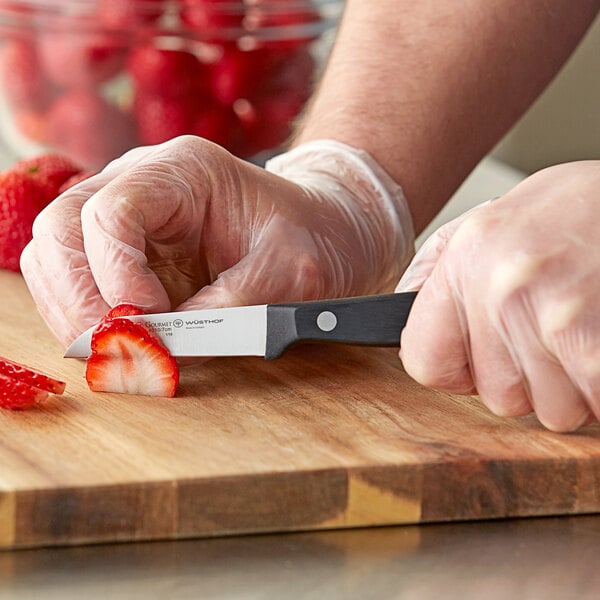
(187, 225)
(509, 306)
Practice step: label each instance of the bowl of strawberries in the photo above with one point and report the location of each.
(92, 78)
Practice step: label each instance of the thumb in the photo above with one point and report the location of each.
(270, 273)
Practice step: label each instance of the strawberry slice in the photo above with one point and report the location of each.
(126, 358)
(16, 394)
(21, 386)
(30, 377)
(122, 310)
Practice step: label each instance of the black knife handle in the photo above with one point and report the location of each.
(365, 320)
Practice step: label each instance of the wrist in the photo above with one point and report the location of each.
(367, 196)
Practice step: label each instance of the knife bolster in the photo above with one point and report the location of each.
(281, 329)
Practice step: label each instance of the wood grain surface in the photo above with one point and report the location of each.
(325, 437)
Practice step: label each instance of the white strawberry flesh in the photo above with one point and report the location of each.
(126, 358)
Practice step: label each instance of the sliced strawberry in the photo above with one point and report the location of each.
(30, 376)
(122, 310)
(126, 358)
(15, 394)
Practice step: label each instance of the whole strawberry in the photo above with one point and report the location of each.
(21, 199)
(160, 118)
(129, 14)
(172, 73)
(50, 171)
(86, 127)
(214, 19)
(23, 82)
(76, 53)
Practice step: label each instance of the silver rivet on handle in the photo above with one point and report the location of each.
(326, 321)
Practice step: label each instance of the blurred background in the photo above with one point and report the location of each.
(562, 125)
(92, 79)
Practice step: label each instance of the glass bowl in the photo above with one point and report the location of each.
(93, 78)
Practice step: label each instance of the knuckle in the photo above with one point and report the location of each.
(59, 223)
(570, 329)
(512, 276)
(50, 220)
(187, 142)
(475, 231)
(192, 144)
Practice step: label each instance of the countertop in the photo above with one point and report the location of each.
(550, 558)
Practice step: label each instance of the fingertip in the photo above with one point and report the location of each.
(566, 424)
(510, 405)
(454, 377)
(433, 349)
(26, 260)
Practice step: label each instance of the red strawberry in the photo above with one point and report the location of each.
(218, 124)
(21, 199)
(75, 53)
(22, 79)
(239, 73)
(213, 18)
(160, 118)
(164, 72)
(119, 14)
(268, 117)
(18, 19)
(295, 25)
(31, 123)
(122, 310)
(15, 394)
(88, 129)
(75, 179)
(25, 189)
(126, 358)
(50, 170)
(30, 376)
(21, 386)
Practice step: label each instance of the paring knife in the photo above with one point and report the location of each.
(269, 329)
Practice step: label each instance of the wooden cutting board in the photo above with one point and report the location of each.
(325, 437)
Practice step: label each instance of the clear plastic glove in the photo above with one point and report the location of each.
(187, 225)
(509, 306)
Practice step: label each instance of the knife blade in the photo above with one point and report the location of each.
(269, 329)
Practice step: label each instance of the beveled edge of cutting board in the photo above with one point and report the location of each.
(8, 508)
(300, 501)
